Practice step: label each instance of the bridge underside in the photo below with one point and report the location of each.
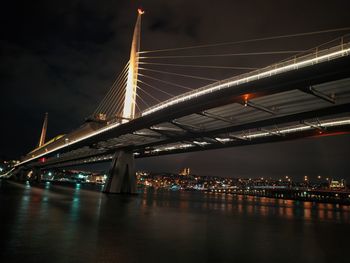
(296, 113)
(307, 102)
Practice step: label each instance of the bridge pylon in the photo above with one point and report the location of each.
(131, 84)
(36, 174)
(121, 175)
(43, 131)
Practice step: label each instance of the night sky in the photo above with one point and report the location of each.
(61, 57)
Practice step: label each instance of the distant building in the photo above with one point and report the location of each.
(185, 172)
(337, 184)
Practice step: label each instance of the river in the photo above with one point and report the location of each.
(52, 223)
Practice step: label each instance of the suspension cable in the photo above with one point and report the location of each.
(167, 93)
(137, 106)
(177, 74)
(110, 98)
(119, 110)
(149, 94)
(250, 40)
(166, 82)
(115, 96)
(142, 100)
(196, 66)
(118, 97)
(115, 107)
(112, 89)
(228, 55)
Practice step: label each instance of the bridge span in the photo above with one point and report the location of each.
(306, 96)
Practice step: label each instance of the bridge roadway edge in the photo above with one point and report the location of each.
(300, 78)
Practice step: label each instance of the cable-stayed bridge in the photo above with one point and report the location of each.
(307, 95)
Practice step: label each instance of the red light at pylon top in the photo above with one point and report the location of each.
(140, 11)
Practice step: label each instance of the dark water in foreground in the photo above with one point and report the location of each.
(59, 224)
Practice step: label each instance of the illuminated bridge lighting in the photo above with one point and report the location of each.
(255, 75)
(258, 134)
(254, 135)
(171, 148)
(223, 139)
(201, 143)
(8, 173)
(304, 61)
(68, 143)
(299, 128)
(336, 123)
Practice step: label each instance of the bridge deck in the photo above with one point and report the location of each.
(302, 102)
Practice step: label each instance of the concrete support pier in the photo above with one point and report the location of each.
(36, 175)
(121, 176)
(19, 175)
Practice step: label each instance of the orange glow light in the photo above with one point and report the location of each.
(324, 134)
(246, 97)
(140, 11)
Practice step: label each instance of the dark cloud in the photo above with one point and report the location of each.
(61, 56)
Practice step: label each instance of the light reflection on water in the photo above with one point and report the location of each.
(256, 206)
(73, 224)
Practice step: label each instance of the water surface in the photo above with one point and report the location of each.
(58, 224)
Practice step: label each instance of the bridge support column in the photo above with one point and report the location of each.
(36, 175)
(20, 175)
(121, 176)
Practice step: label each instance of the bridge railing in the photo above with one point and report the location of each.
(328, 51)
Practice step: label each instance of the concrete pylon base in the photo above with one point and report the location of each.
(21, 175)
(36, 176)
(121, 176)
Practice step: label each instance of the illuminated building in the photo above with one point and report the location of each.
(185, 172)
(337, 184)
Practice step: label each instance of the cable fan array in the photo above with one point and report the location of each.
(112, 104)
(163, 74)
